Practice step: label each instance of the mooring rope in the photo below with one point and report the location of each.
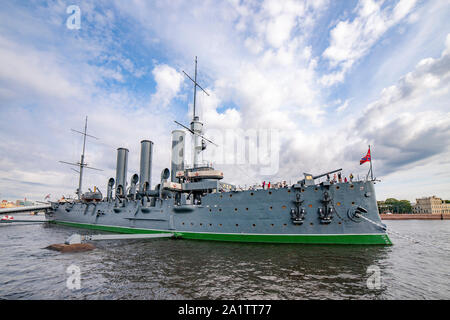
(421, 242)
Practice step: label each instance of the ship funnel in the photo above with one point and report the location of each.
(178, 137)
(121, 171)
(145, 181)
(110, 188)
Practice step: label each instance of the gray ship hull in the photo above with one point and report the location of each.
(298, 214)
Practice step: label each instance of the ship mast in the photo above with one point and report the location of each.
(196, 126)
(82, 164)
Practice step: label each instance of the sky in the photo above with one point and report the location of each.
(325, 78)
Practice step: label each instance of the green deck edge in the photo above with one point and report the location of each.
(377, 239)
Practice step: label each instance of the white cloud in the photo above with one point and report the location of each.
(351, 40)
(168, 84)
(343, 106)
(33, 72)
(258, 64)
(410, 122)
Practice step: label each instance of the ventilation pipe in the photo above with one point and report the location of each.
(134, 181)
(110, 189)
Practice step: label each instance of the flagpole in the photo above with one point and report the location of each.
(371, 170)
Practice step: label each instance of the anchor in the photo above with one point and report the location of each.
(298, 213)
(326, 212)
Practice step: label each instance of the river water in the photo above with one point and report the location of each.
(188, 269)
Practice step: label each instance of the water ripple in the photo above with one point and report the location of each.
(167, 269)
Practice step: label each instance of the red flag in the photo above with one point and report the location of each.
(366, 158)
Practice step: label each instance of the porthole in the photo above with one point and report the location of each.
(254, 225)
(310, 205)
(220, 224)
(338, 203)
(210, 224)
(201, 224)
(182, 223)
(337, 187)
(270, 208)
(246, 209)
(270, 192)
(339, 222)
(251, 193)
(231, 195)
(235, 209)
(237, 225)
(221, 196)
(285, 225)
(353, 202)
(289, 191)
(283, 207)
(192, 223)
(315, 189)
(303, 190)
(352, 186)
(220, 209)
(272, 224)
(210, 210)
(311, 223)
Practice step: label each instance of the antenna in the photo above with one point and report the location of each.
(195, 84)
(81, 164)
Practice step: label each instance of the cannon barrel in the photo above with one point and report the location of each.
(324, 174)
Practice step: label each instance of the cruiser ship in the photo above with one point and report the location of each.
(194, 202)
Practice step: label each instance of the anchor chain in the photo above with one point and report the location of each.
(421, 242)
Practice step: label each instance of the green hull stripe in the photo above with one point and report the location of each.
(270, 238)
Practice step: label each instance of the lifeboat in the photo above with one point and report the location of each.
(206, 174)
(92, 196)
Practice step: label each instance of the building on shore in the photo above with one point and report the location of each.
(24, 203)
(431, 205)
(7, 204)
(18, 203)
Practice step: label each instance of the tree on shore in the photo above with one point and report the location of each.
(395, 206)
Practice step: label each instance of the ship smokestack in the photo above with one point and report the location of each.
(121, 171)
(178, 137)
(145, 174)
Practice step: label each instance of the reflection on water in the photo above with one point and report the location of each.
(188, 269)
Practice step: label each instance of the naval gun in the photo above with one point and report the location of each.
(309, 178)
